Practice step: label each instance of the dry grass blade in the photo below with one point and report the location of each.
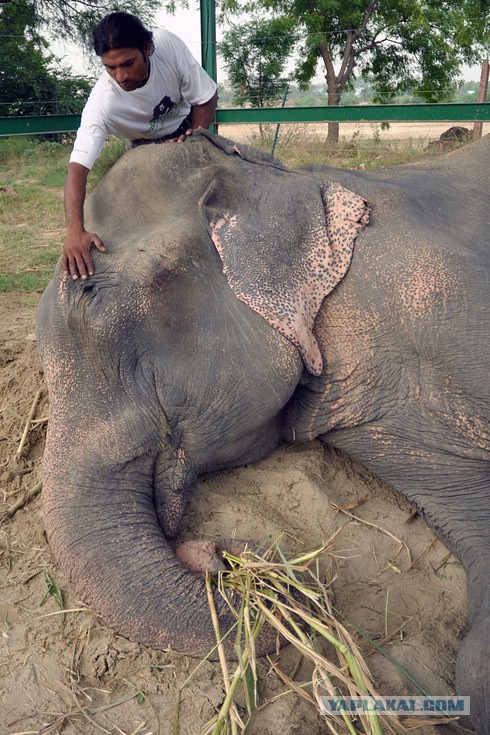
(401, 543)
(286, 594)
(26, 498)
(27, 426)
(228, 709)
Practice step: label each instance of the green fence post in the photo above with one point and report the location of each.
(276, 133)
(208, 41)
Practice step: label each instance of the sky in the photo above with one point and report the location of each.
(187, 25)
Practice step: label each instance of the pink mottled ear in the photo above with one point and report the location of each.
(285, 240)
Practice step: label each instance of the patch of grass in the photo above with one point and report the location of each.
(53, 590)
(46, 163)
(12, 149)
(23, 282)
(296, 147)
(113, 149)
(31, 235)
(32, 226)
(24, 158)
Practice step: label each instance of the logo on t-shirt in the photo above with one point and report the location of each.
(160, 111)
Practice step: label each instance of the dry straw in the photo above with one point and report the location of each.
(286, 594)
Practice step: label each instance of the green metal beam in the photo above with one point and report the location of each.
(38, 125)
(454, 112)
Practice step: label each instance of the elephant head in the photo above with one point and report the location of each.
(177, 357)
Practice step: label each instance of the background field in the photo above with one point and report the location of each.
(421, 133)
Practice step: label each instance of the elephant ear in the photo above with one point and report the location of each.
(285, 240)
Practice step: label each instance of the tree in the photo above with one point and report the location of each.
(255, 55)
(396, 44)
(73, 20)
(29, 81)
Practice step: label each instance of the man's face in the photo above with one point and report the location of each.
(129, 67)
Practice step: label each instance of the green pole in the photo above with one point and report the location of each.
(208, 42)
(208, 37)
(276, 134)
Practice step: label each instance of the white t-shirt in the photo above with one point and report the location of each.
(176, 82)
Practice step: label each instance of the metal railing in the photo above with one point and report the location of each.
(452, 112)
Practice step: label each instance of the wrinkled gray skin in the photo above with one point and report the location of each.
(157, 372)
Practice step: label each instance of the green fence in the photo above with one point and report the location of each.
(454, 112)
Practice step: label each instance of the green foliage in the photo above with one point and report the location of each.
(74, 19)
(361, 92)
(255, 54)
(12, 149)
(29, 82)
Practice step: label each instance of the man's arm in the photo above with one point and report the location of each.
(203, 115)
(76, 250)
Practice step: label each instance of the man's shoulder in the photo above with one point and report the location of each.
(101, 98)
(162, 38)
(103, 86)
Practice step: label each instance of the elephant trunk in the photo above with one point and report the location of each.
(112, 548)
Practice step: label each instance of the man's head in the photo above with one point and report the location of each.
(125, 46)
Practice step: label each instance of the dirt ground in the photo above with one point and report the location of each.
(68, 673)
(421, 132)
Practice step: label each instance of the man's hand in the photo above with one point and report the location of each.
(181, 138)
(76, 253)
(202, 117)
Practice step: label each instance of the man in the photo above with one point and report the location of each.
(152, 90)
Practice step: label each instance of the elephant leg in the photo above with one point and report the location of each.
(449, 483)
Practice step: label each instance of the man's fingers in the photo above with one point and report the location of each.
(84, 265)
(88, 265)
(185, 135)
(77, 261)
(82, 268)
(72, 268)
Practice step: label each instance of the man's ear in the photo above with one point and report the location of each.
(148, 49)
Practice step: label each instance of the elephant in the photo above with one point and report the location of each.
(241, 305)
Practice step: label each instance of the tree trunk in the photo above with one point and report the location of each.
(335, 86)
(333, 127)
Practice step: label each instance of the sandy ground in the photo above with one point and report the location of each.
(71, 674)
(422, 132)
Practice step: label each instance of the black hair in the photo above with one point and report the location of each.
(120, 30)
